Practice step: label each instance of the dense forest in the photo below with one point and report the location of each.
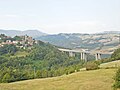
(42, 60)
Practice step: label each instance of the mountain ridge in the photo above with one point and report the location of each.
(32, 33)
(105, 40)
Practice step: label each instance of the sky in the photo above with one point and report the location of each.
(60, 16)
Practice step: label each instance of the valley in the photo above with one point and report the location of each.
(33, 64)
(59, 44)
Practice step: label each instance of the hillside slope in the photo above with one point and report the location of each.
(85, 80)
(41, 60)
(101, 79)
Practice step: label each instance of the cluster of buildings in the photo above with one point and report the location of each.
(22, 42)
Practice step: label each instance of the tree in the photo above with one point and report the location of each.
(6, 78)
(91, 66)
(116, 54)
(17, 38)
(39, 74)
(44, 73)
(8, 49)
(117, 80)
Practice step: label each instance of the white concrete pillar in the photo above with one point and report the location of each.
(99, 56)
(71, 54)
(96, 56)
(81, 55)
(62, 51)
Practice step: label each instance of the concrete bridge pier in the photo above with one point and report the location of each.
(71, 54)
(83, 56)
(98, 56)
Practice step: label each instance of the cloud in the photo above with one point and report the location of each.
(79, 27)
(12, 16)
(74, 27)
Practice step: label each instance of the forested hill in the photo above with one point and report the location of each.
(40, 61)
(103, 40)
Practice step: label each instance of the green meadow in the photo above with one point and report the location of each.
(101, 79)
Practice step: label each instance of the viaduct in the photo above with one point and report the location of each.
(84, 53)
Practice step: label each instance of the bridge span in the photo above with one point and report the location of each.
(84, 53)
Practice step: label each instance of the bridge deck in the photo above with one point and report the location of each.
(84, 51)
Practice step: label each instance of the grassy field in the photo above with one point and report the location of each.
(111, 64)
(101, 79)
(20, 54)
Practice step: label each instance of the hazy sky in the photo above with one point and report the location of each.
(61, 16)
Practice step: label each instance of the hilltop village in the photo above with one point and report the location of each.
(18, 41)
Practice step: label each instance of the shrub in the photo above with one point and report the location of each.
(117, 80)
(92, 66)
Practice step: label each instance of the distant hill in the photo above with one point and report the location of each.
(62, 40)
(12, 33)
(107, 39)
(111, 32)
